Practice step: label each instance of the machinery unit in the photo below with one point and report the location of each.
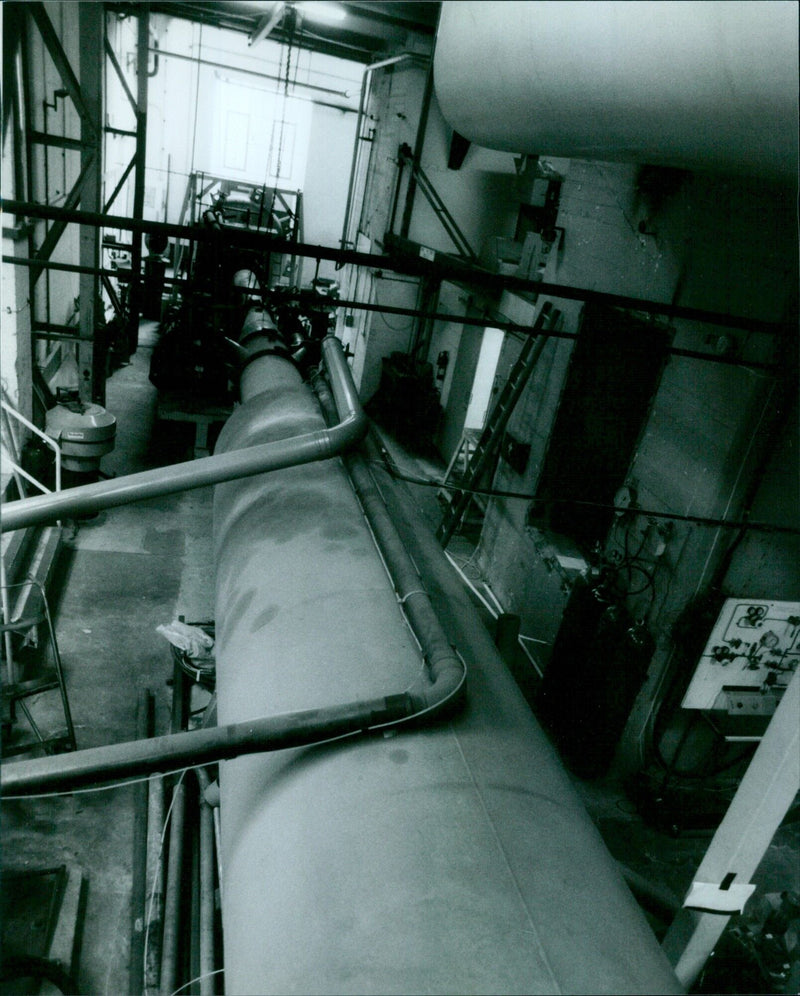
(85, 433)
(749, 659)
(597, 667)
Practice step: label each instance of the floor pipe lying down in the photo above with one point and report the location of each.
(452, 856)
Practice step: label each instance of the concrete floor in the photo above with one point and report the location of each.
(127, 571)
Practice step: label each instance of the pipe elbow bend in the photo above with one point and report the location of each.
(446, 687)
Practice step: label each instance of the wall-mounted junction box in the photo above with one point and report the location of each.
(752, 653)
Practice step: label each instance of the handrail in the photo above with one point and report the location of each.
(10, 410)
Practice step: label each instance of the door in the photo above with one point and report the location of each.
(481, 395)
(471, 388)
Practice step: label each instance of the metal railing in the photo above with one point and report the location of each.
(12, 451)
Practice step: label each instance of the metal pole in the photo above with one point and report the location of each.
(721, 883)
(181, 690)
(206, 894)
(144, 730)
(155, 876)
(135, 297)
(169, 955)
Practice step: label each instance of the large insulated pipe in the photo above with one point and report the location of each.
(305, 448)
(698, 85)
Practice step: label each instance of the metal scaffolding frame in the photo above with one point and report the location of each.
(84, 90)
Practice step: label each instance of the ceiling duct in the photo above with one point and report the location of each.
(700, 85)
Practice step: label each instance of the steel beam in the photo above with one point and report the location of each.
(114, 297)
(59, 141)
(12, 95)
(51, 40)
(416, 157)
(120, 183)
(120, 75)
(45, 250)
(91, 359)
(405, 257)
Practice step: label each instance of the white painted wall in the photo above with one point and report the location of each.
(325, 183)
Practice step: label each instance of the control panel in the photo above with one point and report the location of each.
(752, 653)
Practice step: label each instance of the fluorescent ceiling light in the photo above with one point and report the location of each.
(324, 13)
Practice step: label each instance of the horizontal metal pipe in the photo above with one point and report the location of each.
(95, 765)
(405, 260)
(515, 327)
(246, 72)
(306, 448)
(99, 271)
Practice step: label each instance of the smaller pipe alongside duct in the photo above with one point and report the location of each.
(447, 670)
(206, 888)
(172, 904)
(206, 471)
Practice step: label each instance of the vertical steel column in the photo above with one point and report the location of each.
(135, 297)
(31, 187)
(419, 144)
(722, 881)
(91, 355)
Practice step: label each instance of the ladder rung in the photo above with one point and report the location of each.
(24, 689)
